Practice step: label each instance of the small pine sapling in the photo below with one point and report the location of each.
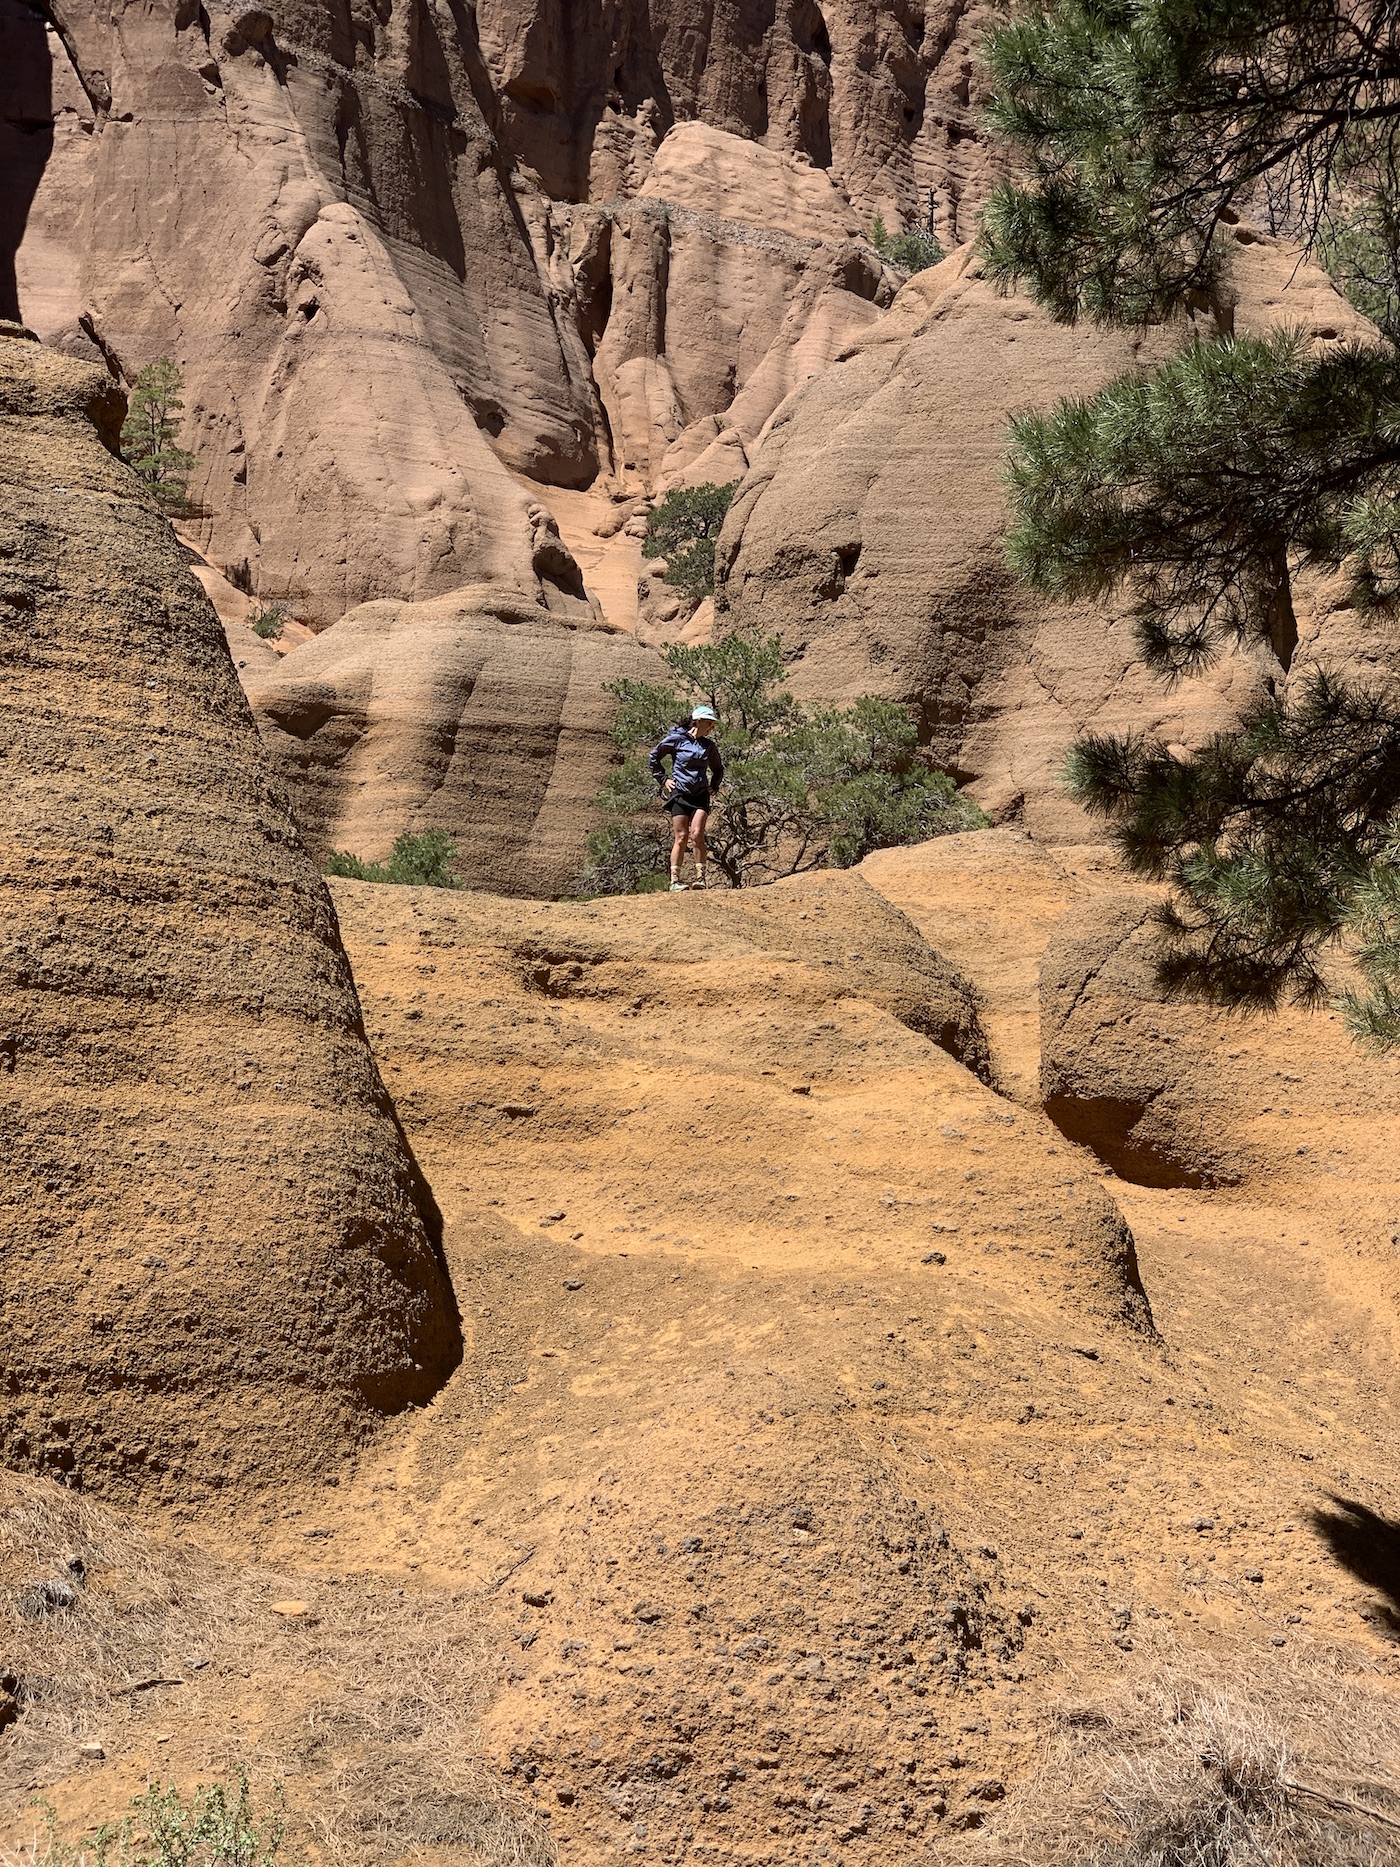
(148, 433)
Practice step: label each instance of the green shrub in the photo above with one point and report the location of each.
(805, 788)
(148, 433)
(911, 252)
(214, 1827)
(623, 860)
(683, 529)
(421, 861)
(269, 621)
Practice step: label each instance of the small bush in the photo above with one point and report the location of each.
(911, 252)
(683, 529)
(215, 1827)
(625, 861)
(269, 621)
(421, 861)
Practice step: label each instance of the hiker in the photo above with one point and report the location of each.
(686, 795)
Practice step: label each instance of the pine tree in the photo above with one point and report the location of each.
(804, 788)
(148, 433)
(684, 529)
(1150, 129)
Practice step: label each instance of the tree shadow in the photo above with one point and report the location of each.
(1368, 1545)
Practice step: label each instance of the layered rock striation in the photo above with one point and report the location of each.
(221, 1261)
(475, 714)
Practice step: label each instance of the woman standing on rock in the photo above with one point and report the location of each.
(689, 791)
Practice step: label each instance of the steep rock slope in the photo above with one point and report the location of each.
(870, 532)
(880, 94)
(389, 266)
(472, 714)
(735, 276)
(345, 361)
(220, 1257)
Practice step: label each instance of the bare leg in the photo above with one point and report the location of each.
(680, 831)
(702, 850)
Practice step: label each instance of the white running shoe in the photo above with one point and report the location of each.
(678, 888)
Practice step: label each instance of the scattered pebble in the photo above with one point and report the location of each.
(573, 1283)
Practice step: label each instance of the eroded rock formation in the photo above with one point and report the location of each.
(414, 231)
(220, 1257)
(871, 532)
(475, 714)
(1122, 1071)
(755, 1264)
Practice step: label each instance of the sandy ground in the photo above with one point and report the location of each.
(813, 1440)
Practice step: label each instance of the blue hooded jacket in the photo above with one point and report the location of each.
(693, 761)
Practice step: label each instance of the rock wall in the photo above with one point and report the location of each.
(1123, 1071)
(220, 1258)
(871, 533)
(469, 714)
(366, 238)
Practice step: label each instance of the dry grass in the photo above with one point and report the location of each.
(1294, 1765)
(365, 1707)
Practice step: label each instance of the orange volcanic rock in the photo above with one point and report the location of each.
(220, 1257)
(871, 532)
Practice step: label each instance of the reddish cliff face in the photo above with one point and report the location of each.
(393, 251)
(871, 533)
